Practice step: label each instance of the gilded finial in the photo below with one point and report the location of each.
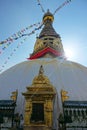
(48, 16)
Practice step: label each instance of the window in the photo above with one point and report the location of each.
(37, 112)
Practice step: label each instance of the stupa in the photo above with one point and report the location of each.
(48, 59)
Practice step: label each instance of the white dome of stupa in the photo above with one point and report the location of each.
(63, 74)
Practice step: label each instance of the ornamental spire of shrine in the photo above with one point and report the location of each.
(48, 29)
(48, 44)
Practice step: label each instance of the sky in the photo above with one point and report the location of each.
(70, 22)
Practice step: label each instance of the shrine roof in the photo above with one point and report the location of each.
(4, 103)
(75, 104)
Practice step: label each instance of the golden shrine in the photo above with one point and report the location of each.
(39, 103)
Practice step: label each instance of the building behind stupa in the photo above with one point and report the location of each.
(43, 84)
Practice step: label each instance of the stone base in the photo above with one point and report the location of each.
(36, 128)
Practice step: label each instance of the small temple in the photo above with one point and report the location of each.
(39, 103)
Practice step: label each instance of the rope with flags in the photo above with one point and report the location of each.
(41, 6)
(19, 34)
(15, 49)
(63, 4)
(16, 36)
(11, 54)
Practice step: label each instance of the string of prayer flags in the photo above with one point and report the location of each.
(63, 4)
(22, 35)
(18, 34)
(41, 6)
(15, 49)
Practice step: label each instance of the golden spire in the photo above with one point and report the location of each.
(48, 29)
(41, 78)
(48, 16)
(49, 43)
